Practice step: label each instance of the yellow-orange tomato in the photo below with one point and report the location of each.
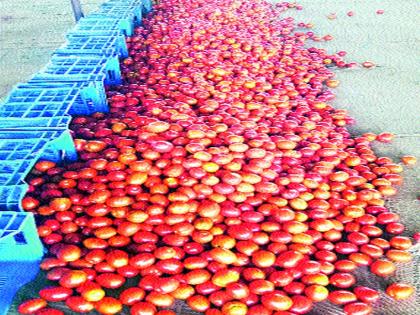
(160, 299)
(263, 258)
(208, 209)
(198, 303)
(382, 267)
(400, 291)
(109, 306)
(73, 278)
(93, 294)
(197, 276)
(183, 292)
(225, 276)
(234, 308)
(409, 160)
(316, 293)
(69, 253)
(222, 255)
(399, 255)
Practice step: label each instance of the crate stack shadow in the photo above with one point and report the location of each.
(34, 125)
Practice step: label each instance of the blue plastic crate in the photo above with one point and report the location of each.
(101, 23)
(12, 195)
(14, 172)
(121, 45)
(21, 252)
(146, 4)
(97, 81)
(12, 184)
(35, 102)
(54, 145)
(27, 101)
(94, 45)
(95, 99)
(36, 123)
(82, 69)
(120, 9)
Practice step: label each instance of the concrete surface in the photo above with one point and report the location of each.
(29, 31)
(385, 98)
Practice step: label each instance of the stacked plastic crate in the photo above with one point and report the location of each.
(34, 124)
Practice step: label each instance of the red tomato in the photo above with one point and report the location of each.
(382, 268)
(132, 295)
(358, 308)
(276, 301)
(32, 306)
(49, 311)
(79, 304)
(341, 297)
(160, 299)
(108, 306)
(55, 294)
(366, 294)
(69, 253)
(342, 280)
(110, 280)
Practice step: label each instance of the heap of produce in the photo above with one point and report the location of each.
(221, 176)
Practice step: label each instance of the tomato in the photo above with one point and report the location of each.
(366, 294)
(73, 278)
(60, 204)
(110, 280)
(237, 290)
(276, 301)
(301, 304)
(342, 280)
(55, 294)
(160, 299)
(198, 303)
(79, 304)
(143, 308)
(183, 292)
(400, 242)
(69, 253)
(341, 297)
(93, 294)
(49, 311)
(108, 306)
(263, 258)
(358, 308)
(261, 287)
(223, 255)
(131, 296)
(316, 293)
(167, 285)
(117, 258)
(234, 308)
(397, 255)
(142, 260)
(208, 209)
(400, 291)
(382, 268)
(197, 276)
(32, 306)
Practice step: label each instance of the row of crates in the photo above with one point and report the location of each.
(34, 124)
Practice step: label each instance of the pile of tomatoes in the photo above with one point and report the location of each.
(221, 176)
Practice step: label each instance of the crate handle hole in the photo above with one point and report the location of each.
(20, 239)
